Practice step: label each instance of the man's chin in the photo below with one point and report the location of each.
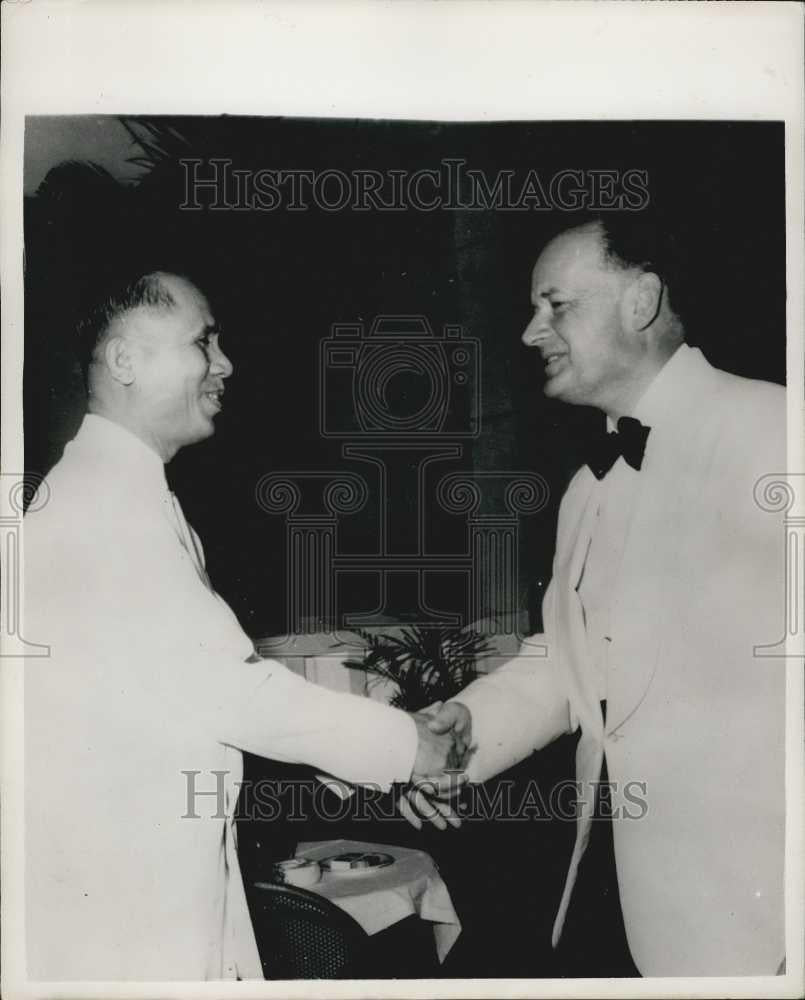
(204, 429)
(553, 387)
(564, 387)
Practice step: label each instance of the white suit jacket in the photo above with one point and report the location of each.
(692, 715)
(146, 680)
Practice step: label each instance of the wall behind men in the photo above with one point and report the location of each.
(279, 280)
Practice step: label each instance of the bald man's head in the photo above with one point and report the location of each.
(154, 363)
(148, 291)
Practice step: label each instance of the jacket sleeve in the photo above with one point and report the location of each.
(523, 705)
(518, 708)
(272, 712)
(145, 634)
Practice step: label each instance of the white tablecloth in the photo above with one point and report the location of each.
(377, 899)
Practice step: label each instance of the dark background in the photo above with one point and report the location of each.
(279, 280)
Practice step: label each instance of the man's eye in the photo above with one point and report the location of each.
(558, 306)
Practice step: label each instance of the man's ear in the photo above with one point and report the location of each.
(644, 301)
(118, 357)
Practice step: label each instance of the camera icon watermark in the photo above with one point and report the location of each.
(399, 380)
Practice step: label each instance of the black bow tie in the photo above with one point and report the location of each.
(629, 440)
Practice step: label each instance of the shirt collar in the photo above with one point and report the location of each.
(114, 444)
(657, 405)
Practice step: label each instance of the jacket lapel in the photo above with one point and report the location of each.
(569, 627)
(651, 579)
(571, 648)
(648, 587)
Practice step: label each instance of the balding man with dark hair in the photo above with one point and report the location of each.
(135, 723)
(666, 576)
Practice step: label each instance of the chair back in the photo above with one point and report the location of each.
(301, 935)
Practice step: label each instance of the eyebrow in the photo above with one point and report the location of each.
(209, 329)
(548, 292)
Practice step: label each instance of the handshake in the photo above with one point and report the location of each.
(444, 747)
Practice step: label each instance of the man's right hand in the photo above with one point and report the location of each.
(454, 719)
(435, 777)
(435, 751)
(444, 733)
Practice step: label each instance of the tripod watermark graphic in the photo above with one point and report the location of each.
(311, 539)
(785, 493)
(404, 402)
(19, 492)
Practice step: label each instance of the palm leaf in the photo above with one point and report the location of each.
(425, 663)
(158, 142)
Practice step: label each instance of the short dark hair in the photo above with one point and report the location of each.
(146, 290)
(648, 241)
(639, 241)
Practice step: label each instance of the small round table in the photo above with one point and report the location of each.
(381, 897)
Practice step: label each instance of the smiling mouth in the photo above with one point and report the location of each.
(215, 397)
(553, 362)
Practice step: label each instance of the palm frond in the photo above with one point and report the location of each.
(425, 663)
(157, 141)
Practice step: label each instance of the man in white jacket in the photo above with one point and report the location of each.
(665, 578)
(135, 723)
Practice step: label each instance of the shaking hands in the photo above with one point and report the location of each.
(445, 736)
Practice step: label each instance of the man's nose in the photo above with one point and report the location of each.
(536, 330)
(220, 364)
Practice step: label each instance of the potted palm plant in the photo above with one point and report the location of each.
(422, 664)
